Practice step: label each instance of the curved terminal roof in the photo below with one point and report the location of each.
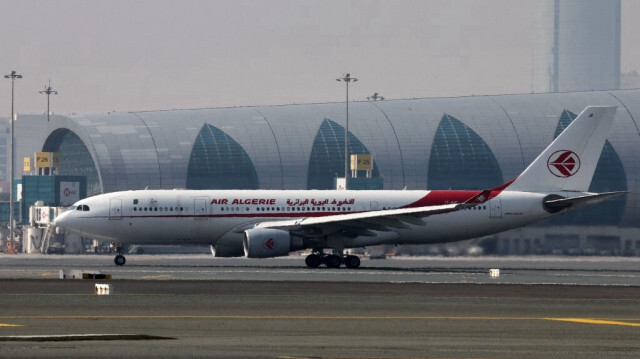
(471, 142)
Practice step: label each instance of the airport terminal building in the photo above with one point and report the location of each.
(437, 143)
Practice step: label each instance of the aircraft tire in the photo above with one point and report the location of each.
(352, 262)
(119, 260)
(313, 261)
(332, 261)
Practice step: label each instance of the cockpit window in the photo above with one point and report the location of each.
(83, 208)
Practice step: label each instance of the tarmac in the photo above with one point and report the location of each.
(195, 306)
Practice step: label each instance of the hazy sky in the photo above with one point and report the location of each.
(159, 54)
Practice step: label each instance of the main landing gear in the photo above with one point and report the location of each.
(119, 260)
(335, 260)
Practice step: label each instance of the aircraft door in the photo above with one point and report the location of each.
(200, 208)
(115, 208)
(495, 208)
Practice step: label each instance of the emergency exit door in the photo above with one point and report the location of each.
(115, 208)
(200, 208)
(495, 208)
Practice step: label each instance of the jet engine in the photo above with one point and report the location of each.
(267, 242)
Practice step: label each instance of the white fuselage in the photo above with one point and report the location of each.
(213, 216)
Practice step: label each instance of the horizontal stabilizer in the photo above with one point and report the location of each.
(580, 201)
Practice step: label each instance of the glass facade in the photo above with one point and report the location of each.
(75, 159)
(460, 159)
(327, 156)
(219, 162)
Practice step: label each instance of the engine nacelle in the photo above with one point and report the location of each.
(267, 242)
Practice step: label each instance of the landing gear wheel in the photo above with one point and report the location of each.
(332, 261)
(313, 261)
(119, 260)
(352, 262)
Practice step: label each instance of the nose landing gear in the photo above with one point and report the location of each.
(119, 260)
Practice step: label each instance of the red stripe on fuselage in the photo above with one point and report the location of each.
(441, 197)
(437, 198)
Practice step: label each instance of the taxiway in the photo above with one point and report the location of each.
(430, 308)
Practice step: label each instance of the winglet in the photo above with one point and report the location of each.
(479, 198)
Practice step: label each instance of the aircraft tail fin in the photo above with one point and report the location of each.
(569, 162)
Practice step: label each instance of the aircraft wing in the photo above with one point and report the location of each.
(361, 223)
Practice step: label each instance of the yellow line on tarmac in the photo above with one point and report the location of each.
(594, 321)
(628, 322)
(261, 317)
(156, 276)
(10, 325)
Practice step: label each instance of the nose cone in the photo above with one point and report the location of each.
(61, 220)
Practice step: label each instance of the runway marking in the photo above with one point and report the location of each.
(5, 325)
(594, 321)
(79, 337)
(626, 322)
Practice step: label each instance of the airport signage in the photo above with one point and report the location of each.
(69, 193)
(47, 159)
(361, 163)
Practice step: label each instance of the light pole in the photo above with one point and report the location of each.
(13, 76)
(48, 90)
(347, 79)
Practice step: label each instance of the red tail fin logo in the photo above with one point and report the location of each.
(563, 163)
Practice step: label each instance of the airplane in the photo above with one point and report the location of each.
(272, 223)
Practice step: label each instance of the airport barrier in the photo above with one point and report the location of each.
(103, 289)
(82, 274)
(494, 273)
